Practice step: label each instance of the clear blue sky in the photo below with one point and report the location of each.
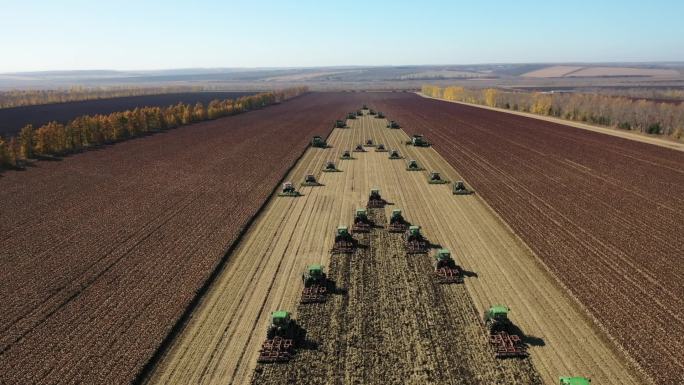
(141, 34)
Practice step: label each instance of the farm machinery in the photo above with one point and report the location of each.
(346, 155)
(318, 142)
(435, 178)
(359, 148)
(281, 338)
(351, 115)
(446, 269)
(380, 148)
(574, 381)
(503, 335)
(380, 115)
(397, 223)
(369, 143)
(330, 167)
(344, 242)
(393, 124)
(375, 200)
(340, 124)
(288, 190)
(461, 189)
(365, 107)
(418, 141)
(371, 112)
(414, 241)
(359, 113)
(310, 180)
(362, 223)
(315, 285)
(413, 165)
(394, 154)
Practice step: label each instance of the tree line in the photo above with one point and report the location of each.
(56, 139)
(651, 117)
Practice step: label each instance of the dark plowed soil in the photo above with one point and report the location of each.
(390, 323)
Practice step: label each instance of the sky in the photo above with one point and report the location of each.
(144, 35)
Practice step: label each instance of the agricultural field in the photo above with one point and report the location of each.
(103, 251)
(387, 321)
(13, 119)
(605, 214)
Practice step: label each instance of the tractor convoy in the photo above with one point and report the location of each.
(284, 335)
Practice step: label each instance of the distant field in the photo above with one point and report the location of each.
(580, 71)
(13, 119)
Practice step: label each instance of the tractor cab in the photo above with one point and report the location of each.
(361, 216)
(396, 216)
(317, 141)
(351, 115)
(343, 231)
(443, 255)
(280, 318)
(413, 165)
(340, 124)
(288, 187)
(369, 143)
(314, 275)
(330, 166)
(496, 317)
(414, 232)
(380, 148)
(346, 155)
(436, 178)
(574, 381)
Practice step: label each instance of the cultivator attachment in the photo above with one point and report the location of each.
(315, 285)
(415, 242)
(446, 269)
(413, 165)
(369, 143)
(397, 223)
(288, 190)
(310, 180)
(330, 167)
(375, 201)
(351, 116)
(505, 343)
(418, 141)
(359, 148)
(380, 148)
(318, 142)
(393, 124)
(280, 339)
(344, 242)
(394, 154)
(340, 124)
(435, 178)
(461, 189)
(346, 155)
(361, 222)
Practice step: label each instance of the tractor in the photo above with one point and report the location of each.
(415, 242)
(375, 201)
(340, 124)
(344, 242)
(435, 178)
(351, 116)
(369, 143)
(461, 189)
(413, 165)
(397, 223)
(371, 112)
(446, 269)
(380, 148)
(365, 107)
(418, 141)
(315, 285)
(318, 142)
(330, 167)
(359, 113)
(288, 190)
(281, 338)
(310, 180)
(346, 155)
(393, 124)
(361, 222)
(359, 148)
(380, 115)
(574, 381)
(394, 154)
(503, 334)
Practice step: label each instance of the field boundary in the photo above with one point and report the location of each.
(143, 375)
(638, 137)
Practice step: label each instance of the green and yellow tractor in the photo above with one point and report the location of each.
(362, 223)
(351, 116)
(503, 335)
(393, 124)
(315, 285)
(344, 242)
(281, 338)
(310, 180)
(394, 154)
(330, 167)
(318, 142)
(397, 223)
(346, 155)
(413, 165)
(380, 115)
(446, 269)
(415, 242)
(461, 189)
(340, 124)
(435, 178)
(418, 141)
(380, 148)
(289, 190)
(375, 200)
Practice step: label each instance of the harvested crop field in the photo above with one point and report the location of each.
(434, 335)
(13, 119)
(605, 214)
(103, 251)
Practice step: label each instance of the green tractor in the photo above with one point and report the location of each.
(413, 165)
(446, 269)
(380, 115)
(574, 381)
(318, 142)
(310, 180)
(380, 148)
(397, 223)
(344, 242)
(362, 223)
(418, 141)
(415, 242)
(281, 338)
(394, 154)
(393, 124)
(340, 124)
(375, 200)
(315, 285)
(359, 113)
(435, 178)
(503, 335)
(351, 116)
(359, 148)
(330, 167)
(346, 155)
(289, 190)
(461, 189)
